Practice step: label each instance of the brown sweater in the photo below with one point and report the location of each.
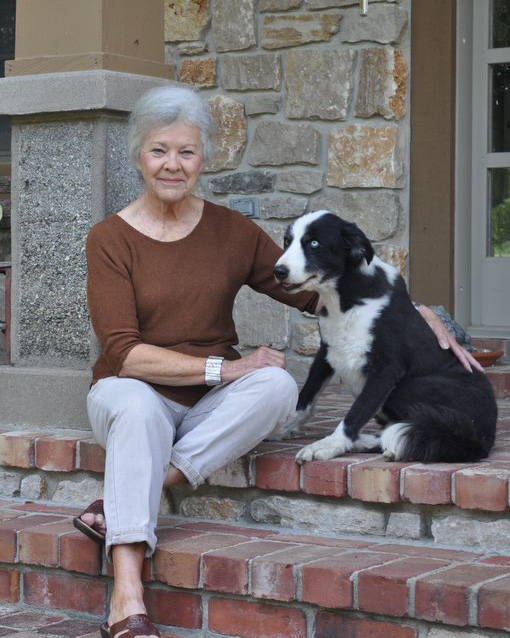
(177, 295)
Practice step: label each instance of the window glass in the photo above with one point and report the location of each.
(499, 217)
(500, 24)
(499, 112)
(7, 35)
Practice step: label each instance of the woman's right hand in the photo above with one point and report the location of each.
(261, 358)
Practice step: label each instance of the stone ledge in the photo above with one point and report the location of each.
(74, 91)
(199, 560)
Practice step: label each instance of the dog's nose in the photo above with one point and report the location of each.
(281, 272)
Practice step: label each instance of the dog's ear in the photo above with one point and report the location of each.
(357, 244)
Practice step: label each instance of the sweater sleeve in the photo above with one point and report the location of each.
(111, 297)
(262, 279)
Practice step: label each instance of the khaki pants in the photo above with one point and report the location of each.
(143, 432)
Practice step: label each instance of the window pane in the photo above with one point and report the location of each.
(500, 24)
(500, 108)
(499, 217)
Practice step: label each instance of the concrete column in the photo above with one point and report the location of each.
(69, 170)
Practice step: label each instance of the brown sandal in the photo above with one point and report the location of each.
(136, 625)
(94, 508)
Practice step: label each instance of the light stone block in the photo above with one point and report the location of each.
(306, 338)
(9, 483)
(395, 256)
(383, 23)
(297, 181)
(260, 321)
(211, 507)
(276, 143)
(266, 6)
(281, 207)
(251, 72)
(191, 48)
(319, 83)
(257, 104)
(382, 83)
(185, 19)
(404, 525)
(230, 134)
(363, 156)
(34, 487)
(233, 24)
(281, 31)
(376, 213)
(316, 516)
(78, 492)
(471, 532)
(329, 4)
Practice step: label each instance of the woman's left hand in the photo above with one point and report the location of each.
(447, 340)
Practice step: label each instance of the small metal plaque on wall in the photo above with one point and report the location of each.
(248, 206)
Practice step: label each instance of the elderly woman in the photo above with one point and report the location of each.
(172, 400)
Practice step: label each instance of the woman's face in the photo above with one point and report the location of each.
(171, 159)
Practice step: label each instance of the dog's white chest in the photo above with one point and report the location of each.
(349, 337)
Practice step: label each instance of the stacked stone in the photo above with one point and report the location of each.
(310, 103)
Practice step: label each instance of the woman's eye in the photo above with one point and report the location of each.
(158, 152)
(314, 243)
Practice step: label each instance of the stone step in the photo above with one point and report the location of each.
(463, 504)
(253, 582)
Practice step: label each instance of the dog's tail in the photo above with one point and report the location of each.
(438, 434)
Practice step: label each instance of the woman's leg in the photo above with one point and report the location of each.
(231, 420)
(136, 426)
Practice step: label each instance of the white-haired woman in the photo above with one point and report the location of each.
(172, 400)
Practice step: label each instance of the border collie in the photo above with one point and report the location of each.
(432, 409)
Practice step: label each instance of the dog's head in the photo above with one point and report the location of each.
(320, 248)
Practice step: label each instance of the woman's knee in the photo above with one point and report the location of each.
(279, 386)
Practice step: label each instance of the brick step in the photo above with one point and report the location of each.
(235, 580)
(465, 504)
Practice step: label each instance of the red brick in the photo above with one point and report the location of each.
(17, 449)
(80, 554)
(444, 596)
(40, 508)
(91, 456)
(39, 545)
(325, 541)
(9, 586)
(429, 484)
(252, 532)
(177, 563)
(277, 472)
(275, 576)
(494, 605)
(255, 620)
(227, 570)
(30, 620)
(328, 582)
(484, 487)
(329, 625)
(65, 592)
(9, 533)
(179, 609)
(376, 481)
(56, 453)
(384, 590)
(327, 478)
(421, 551)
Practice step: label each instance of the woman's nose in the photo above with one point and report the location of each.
(171, 161)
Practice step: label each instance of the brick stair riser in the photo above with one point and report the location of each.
(258, 583)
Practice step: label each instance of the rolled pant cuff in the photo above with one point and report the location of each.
(131, 535)
(194, 478)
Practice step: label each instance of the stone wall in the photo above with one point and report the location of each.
(311, 104)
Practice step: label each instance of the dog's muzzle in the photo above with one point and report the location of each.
(281, 272)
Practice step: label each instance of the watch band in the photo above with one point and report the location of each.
(213, 370)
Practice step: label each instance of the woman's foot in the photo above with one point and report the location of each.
(91, 521)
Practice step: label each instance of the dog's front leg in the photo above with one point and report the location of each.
(318, 376)
(346, 437)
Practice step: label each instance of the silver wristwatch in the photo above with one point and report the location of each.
(213, 370)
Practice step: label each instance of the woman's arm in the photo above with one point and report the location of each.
(447, 340)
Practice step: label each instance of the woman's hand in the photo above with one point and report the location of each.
(447, 340)
(262, 357)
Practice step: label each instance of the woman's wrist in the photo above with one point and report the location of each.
(213, 369)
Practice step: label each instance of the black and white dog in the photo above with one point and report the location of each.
(432, 408)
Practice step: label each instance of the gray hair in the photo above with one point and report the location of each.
(163, 106)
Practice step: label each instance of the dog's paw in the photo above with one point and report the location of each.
(325, 449)
(292, 425)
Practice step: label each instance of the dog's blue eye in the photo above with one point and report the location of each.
(314, 243)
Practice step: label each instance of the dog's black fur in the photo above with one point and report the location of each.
(398, 371)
